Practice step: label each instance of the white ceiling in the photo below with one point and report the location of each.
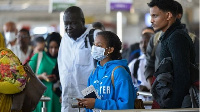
(27, 11)
(90, 7)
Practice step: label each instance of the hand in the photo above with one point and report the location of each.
(52, 77)
(87, 102)
(60, 99)
(150, 81)
(143, 88)
(43, 76)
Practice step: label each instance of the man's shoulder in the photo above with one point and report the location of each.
(15, 46)
(132, 62)
(179, 33)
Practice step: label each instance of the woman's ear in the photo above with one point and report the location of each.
(111, 50)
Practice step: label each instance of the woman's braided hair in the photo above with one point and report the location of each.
(112, 41)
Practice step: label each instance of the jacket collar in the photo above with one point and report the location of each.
(176, 25)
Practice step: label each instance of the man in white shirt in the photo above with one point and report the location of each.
(140, 63)
(22, 50)
(74, 57)
(10, 33)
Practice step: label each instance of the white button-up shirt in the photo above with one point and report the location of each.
(19, 53)
(75, 65)
(140, 70)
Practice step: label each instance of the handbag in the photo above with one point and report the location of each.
(28, 99)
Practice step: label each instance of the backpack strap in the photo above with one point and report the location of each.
(155, 42)
(93, 71)
(91, 37)
(135, 68)
(192, 36)
(112, 75)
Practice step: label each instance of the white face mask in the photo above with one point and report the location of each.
(98, 53)
(10, 36)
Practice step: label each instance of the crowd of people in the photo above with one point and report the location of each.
(88, 55)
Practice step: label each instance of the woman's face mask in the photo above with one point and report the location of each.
(98, 53)
(10, 36)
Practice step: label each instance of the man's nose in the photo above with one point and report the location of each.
(53, 50)
(151, 20)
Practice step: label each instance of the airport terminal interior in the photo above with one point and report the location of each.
(127, 19)
(36, 14)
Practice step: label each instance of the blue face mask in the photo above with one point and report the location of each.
(98, 53)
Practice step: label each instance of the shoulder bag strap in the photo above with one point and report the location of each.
(155, 42)
(39, 59)
(112, 75)
(135, 68)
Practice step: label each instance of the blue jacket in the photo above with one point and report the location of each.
(120, 96)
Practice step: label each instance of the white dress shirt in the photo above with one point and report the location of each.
(140, 70)
(19, 53)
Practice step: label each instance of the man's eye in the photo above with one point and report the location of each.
(155, 16)
(74, 23)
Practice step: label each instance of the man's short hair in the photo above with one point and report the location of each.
(98, 25)
(179, 8)
(165, 5)
(36, 40)
(11, 23)
(147, 35)
(76, 10)
(25, 30)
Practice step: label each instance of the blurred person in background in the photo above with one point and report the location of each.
(125, 51)
(45, 71)
(148, 30)
(98, 25)
(23, 49)
(134, 49)
(10, 34)
(38, 45)
(137, 66)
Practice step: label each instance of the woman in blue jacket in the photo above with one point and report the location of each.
(116, 95)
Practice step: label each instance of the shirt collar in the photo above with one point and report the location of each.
(89, 26)
(142, 57)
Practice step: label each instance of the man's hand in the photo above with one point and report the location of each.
(87, 102)
(51, 78)
(150, 81)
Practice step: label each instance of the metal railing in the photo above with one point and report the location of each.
(44, 99)
(146, 103)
